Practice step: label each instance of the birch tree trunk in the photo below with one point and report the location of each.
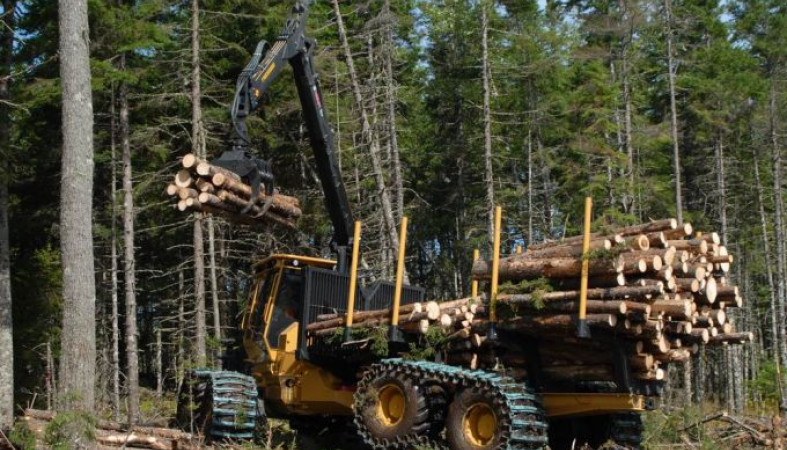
(772, 288)
(6, 321)
(735, 354)
(113, 254)
(198, 148)
(688, 392)
(49, 376)
(779, 225)
(546, 180)
(673, 112)
(699, 390)
(631, 204)
(181, 341)
(129, 260)
(390, 100)
(159, 365)
(722, 188)
(367, 133)
(214, 288)
(201, 355)
(77, 368)
(488, 163)
(529, 187)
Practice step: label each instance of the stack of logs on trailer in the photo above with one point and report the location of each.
(203, 187)
(656, 293)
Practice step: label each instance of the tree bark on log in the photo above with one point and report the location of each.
(568, 251)
(617, 293)
(284, 205)
(517, 267)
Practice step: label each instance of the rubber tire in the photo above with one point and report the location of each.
(415, 419)
(454, 431)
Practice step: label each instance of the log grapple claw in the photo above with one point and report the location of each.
(255, 171)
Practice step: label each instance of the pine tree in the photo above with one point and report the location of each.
(6, 309)
(78, 371)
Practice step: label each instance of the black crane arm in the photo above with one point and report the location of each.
(294, 47)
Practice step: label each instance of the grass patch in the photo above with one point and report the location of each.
(21, 435)
(71, 429)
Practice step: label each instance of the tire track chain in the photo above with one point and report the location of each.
(627, 430)
(522, 416)
(234, 413)
(424, 434)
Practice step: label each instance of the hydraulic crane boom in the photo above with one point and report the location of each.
(267, 62)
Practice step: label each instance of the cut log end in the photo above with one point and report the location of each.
(657, 263)
(189, 161)
(183, 178)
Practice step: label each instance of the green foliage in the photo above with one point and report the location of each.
(418, 352)
(766, 383)
(153, 407)
(667, 428)
(428, 345)
(536, 287)
(21, 436)
(526, 286)
(380, 342)
(604, 254)
(377, 336)
(565, 79)
(214, 345)
(36, 284)
(71, 429)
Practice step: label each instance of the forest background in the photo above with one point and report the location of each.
(441, 109)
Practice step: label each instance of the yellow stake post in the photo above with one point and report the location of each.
(399, 277)
(518, 249)
(474, 283)
(583, 330)
(495, 274)
(353, 281)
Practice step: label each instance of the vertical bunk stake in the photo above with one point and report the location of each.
(353, 282)
(395, 334)
(492, 334)
(474, 282)
(583, 331)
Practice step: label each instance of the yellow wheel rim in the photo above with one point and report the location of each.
(479, 424)
(390, 405)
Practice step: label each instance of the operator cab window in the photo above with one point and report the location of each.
(256, 321)
(287, 308)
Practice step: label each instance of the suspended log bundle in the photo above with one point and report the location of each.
(203, 187)
(657, 290)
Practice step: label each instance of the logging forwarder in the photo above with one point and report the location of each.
(393, 402)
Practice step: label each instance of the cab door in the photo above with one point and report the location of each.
(253, 324)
